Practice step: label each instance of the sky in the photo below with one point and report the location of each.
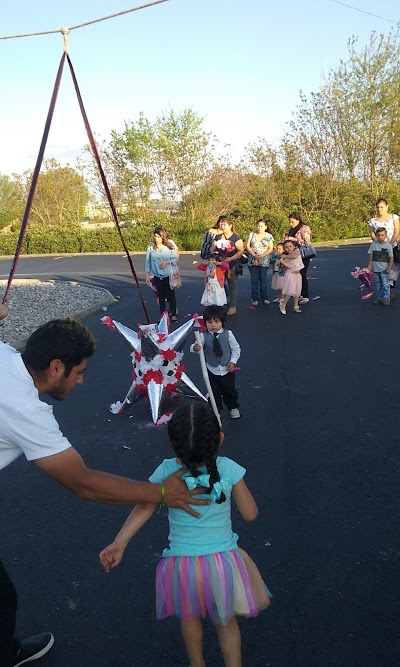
(239, 64)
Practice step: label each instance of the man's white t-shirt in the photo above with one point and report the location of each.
(27, 424)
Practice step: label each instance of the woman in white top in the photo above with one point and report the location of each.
(390, 222)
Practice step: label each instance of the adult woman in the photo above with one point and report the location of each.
(390, 221)
(209, 237)
(160, 256)
(300, 233)
(259, 248)
(230, 247)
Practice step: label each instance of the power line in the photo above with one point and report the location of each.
(82, 25)
(363, 11)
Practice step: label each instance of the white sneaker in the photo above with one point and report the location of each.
(266, 302)
(282, 308)
(276, 300)
(303, 301)
(234, 413)
(254, 303)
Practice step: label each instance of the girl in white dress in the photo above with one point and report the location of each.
(214, 291)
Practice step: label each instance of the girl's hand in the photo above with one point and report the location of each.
(197, 347)
(163, 265)
(111, 556)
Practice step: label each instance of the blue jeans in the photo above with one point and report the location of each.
(382, 286)
(258, 275)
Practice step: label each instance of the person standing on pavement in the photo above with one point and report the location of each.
(259, 248)
(53, 362)
(390, 222)
(300, 233)
(161, 255)
(230, 247)
(222, 352)
(381, 264)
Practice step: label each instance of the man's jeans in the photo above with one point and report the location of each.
(382, 286)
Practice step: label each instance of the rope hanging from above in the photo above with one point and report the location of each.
(39, 161)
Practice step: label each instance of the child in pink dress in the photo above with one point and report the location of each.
(278, 275)
(291, 260)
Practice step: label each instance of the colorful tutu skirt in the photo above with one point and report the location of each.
(218, 585)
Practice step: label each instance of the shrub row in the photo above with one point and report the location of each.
(52, 239)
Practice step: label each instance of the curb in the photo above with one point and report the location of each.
(79, 315)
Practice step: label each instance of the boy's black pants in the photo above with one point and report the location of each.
(223, 388)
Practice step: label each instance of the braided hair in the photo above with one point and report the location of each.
(195, 435)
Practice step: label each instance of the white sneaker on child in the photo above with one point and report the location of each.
(276, 300)
(234, 413)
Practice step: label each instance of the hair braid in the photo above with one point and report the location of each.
(194, 433)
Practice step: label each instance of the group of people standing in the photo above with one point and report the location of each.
(224, 251)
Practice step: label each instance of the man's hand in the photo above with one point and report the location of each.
(197, 347)
(176, 494)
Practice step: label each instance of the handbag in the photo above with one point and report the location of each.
(308, 251)
(396, 254)
(174, 277)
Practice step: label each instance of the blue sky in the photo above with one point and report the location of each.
(238, 63)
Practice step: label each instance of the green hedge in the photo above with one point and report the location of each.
(187, 236)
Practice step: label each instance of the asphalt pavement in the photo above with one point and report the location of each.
(318, 436)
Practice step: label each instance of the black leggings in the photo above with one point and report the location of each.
(8, 611)
(165, 293)
(304, 281)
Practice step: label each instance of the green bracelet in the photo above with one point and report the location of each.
(161, 505)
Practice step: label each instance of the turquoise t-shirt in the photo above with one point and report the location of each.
(212, 531)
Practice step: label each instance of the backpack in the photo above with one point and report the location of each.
(207, 245)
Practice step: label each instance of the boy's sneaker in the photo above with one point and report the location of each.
(303, 301)
(385, 303)
(276, 300)
(254, 303)
(266, 302)
(282, 308)
(33, 648)
(234, 413)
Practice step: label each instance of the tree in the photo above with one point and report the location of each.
(12, 199)
(61, 195)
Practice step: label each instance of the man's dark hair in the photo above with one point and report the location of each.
(68, 340)
(214, 312)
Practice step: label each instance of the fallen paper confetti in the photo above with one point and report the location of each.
(237, 368)
(251, 308)
(164, 418)
(256, 386)
(116, 408)
(125, 447)
(194, 262)
(316, 297)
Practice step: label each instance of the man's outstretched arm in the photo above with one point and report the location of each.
(69, 469)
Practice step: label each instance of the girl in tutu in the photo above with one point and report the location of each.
(278, 273)
(291, 260)
(214, 291)
(202, 572)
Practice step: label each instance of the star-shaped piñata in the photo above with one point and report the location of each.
(157, 361)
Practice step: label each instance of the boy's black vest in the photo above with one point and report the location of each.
(211, 358)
